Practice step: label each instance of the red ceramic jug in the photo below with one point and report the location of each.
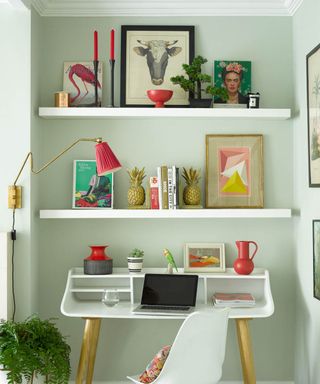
(243, 265)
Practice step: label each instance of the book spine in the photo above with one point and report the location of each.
(159, 187)
(175, 171)
(164, 185)
(154, 192)
(170, 187)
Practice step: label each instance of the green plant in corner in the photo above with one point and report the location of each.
(196, 80)
(31, 348)
(136, 253)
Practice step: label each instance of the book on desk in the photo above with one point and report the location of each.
(233, 300)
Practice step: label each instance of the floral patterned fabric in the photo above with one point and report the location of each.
(154, 367)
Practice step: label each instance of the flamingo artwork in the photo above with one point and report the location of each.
(86, 75)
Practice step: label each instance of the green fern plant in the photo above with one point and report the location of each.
(34, 347)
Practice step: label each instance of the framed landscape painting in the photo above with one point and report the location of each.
(316, 259)
(313, 102)
(150, 56)
(234, 171)
(89, 189)
(204, 257)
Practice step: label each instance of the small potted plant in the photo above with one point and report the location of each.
(195, 82)
(135, 260)
(34, 348)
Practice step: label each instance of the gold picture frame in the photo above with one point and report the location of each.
(234, 171)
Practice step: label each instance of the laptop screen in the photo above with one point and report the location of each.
(169, 290)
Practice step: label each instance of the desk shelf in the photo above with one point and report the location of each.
(122, 113)
(82, 297)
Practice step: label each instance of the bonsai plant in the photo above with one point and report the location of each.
(135, 260)
(195, 83)
(33, 347)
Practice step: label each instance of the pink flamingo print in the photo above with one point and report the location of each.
(86, 75)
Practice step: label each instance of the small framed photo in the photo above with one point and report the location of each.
(79, 81)
(204, 257)
(235, 76)
(89, 189)
(234, 171)
(313, 111)
(150, 56)
(316, 258)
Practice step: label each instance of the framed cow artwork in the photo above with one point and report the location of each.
(150, 55)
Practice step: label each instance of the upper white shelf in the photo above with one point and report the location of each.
(164, 213)
(114, 113)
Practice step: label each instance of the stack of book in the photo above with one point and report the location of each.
(233, 300)
(164, 188)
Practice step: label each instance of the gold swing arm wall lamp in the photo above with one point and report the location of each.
(106, 162)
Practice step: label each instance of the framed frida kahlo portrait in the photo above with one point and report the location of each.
(316, 258)
(234, 171)
(313, 102)
(204, 257)
(235, 76)
(150, 56)
(89, 189)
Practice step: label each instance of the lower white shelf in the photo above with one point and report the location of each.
(164, 213)
(82, 296)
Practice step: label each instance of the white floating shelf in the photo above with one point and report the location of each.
(114, 113)
(163, 213)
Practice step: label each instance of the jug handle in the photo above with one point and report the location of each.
(253, 242)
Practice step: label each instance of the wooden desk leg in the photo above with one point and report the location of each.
(246, 354)
(88, 350)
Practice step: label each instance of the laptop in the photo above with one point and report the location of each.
(166, 294)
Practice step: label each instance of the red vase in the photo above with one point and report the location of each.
(98, 263)
(243, 265)
(98, 253)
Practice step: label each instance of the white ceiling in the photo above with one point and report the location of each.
(166, 7)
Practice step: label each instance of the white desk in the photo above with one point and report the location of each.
(82, 298)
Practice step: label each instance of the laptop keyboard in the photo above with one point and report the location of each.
(164, 307)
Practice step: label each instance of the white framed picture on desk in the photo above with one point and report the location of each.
(204, 257)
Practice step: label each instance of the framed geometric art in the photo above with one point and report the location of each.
(316, 258)
(234, 171)
(313, 110)
(150, 55)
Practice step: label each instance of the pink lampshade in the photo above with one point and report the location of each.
(106, 159)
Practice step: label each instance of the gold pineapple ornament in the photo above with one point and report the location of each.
(136, 192)
(191, 192)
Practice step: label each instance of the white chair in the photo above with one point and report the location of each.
(197, 353)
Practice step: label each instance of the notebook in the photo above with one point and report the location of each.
(166, 294)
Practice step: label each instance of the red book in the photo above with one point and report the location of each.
(154, 192)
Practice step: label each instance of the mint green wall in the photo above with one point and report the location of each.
(307, 369)
(126, 346)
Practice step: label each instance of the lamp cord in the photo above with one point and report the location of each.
(13, 238)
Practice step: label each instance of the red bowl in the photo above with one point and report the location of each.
(159, 96)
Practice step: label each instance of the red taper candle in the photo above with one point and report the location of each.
(95, 40)
(112, 44)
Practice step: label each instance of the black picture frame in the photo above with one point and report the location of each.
(125, 30)
(316, 258)
(313, 113)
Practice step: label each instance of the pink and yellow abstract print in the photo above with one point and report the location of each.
(234, 171)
